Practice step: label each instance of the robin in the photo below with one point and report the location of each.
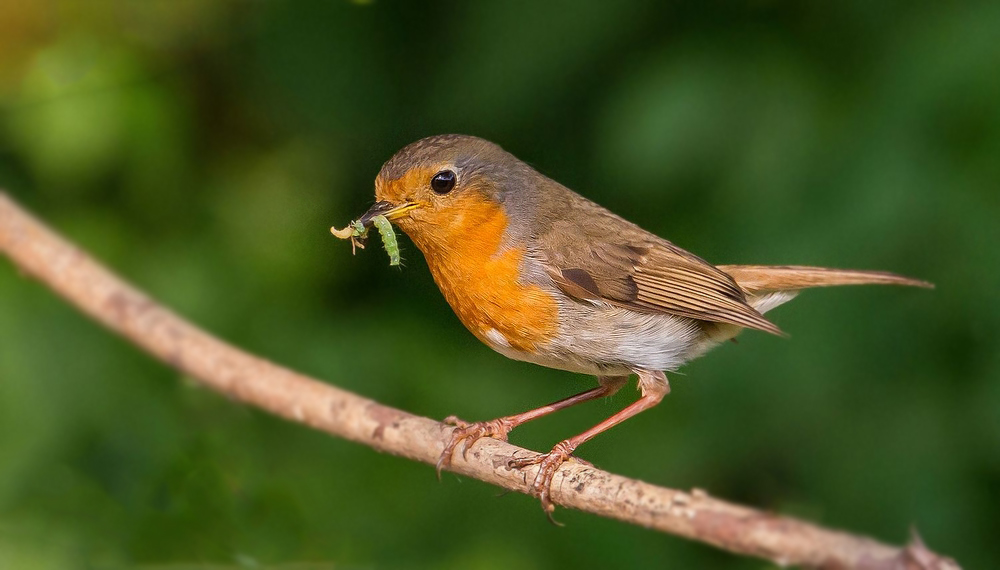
(541, 274)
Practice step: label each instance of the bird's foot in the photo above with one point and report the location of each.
(467, 434)
(548, 464)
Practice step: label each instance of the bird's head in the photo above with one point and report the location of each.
(444, 190)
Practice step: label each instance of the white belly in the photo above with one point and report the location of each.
(611, 341)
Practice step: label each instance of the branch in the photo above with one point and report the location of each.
(72, 274)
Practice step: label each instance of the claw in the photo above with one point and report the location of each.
(467, 434)
(548, 464)
(439, 466)
(548, 514)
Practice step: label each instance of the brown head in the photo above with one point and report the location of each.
(444, 190)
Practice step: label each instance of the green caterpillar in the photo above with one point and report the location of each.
(388, 238)
(358, 229)
(357, 232)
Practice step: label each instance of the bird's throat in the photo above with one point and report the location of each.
(480, 277)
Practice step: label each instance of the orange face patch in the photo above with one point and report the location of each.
(460, 237)
(408, 188)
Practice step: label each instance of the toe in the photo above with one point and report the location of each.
(549, 508)
(548, 464)
(456, 421)
(522, 462)
(442, 463)
(466, 434)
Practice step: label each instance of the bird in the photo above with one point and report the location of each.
(543, 275)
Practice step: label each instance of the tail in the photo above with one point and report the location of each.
(768, 286)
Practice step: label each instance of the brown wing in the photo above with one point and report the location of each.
(605, 258)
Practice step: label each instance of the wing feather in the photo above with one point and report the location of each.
(642, 272)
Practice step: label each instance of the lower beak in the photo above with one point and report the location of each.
(388, 209)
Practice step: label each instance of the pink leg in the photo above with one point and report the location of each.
(654, 387)
(500, 427)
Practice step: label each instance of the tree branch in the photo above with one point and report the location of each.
(71, 273)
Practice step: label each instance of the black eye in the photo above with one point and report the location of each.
(443, 182)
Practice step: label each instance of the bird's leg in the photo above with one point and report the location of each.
(499, 428)
(654, 387)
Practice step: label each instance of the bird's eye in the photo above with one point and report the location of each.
(443, 182)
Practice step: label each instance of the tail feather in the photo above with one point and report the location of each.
(756, 279)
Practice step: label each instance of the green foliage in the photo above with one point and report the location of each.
(203, 149)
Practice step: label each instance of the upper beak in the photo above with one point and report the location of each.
(388, 209)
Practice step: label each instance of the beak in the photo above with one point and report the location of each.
(388, 209)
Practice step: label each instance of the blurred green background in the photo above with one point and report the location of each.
(204, 148)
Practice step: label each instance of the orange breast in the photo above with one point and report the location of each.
(481, 285)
